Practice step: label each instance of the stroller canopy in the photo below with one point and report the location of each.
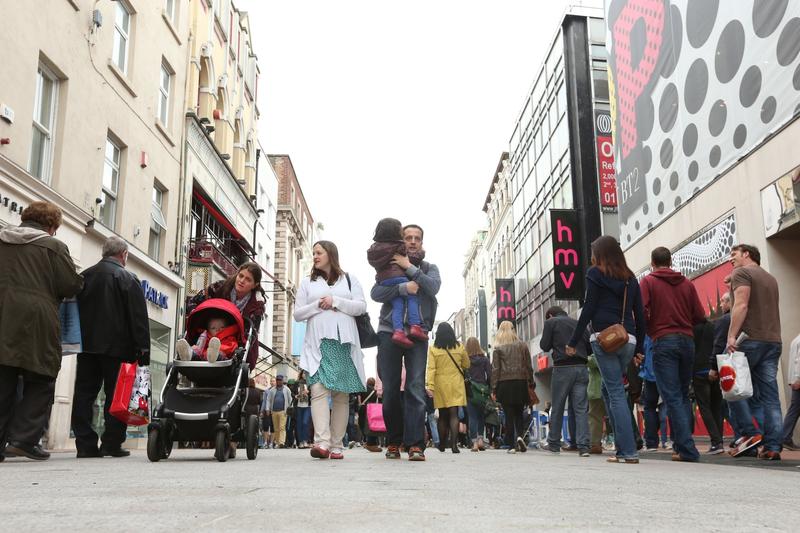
(197, 320)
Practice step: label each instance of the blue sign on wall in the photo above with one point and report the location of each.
(154, 296)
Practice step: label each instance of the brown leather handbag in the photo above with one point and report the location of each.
(615, 336)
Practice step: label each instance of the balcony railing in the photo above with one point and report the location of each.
(221, 253)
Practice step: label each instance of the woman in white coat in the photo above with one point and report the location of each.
(328, 301)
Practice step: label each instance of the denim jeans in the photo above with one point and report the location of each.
(569, 382)
(763, 358)
(673, 364)
(612, 367)
(303, 418)
(477, 421)
(399, 304)
(403, 414)
(652, 421)
(790, 421)
(433, 428)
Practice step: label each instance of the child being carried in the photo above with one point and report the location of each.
(388, 243)
(217, 342)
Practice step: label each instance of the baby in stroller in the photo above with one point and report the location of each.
(217, 342)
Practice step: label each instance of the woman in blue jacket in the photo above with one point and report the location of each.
(607, 282)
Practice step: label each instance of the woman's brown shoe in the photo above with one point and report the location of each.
(373, 448)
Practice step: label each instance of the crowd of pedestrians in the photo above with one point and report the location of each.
(642, 341)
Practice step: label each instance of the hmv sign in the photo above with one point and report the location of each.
(506, 300)
(567, 254)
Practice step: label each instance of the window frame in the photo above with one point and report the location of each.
(156, 237)
(170, 12)
(121, 34)
(113, 194)
(46, 163)
(164, 98)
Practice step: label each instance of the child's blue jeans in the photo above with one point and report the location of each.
(399, 305)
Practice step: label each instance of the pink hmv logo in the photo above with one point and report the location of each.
(566, 254)
(506, 300)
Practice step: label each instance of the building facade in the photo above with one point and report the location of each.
(92, 116)
(707, 152)
(293, 239)
(473, 274)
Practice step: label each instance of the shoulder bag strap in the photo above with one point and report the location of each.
(349, 286)
(624, 303)
(461, 370)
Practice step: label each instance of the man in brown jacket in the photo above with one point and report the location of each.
(36, 273)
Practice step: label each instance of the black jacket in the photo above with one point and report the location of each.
(556, 335)
(113, 313)
(721, 326)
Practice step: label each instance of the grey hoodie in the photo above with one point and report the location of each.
(24, 234)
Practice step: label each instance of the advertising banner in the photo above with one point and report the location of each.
(567, 254)
(506, 300)
(605, 161)
(695, 85)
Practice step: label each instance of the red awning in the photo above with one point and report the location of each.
(217, 215)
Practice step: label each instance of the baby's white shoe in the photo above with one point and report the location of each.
(184, 350)
(213, 350)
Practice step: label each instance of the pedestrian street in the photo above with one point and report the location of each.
(285, 490)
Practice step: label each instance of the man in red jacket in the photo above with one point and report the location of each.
(672, 308)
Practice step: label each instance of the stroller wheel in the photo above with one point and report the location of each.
(221, 448)
(154, 445)
(251, 437)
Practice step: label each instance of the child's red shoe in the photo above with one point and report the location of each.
(399, 338)
(416, 332)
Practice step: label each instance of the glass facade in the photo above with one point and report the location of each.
(541, 179)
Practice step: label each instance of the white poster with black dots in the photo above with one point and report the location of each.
(695, 85)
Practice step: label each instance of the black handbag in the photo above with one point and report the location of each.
(366, 333)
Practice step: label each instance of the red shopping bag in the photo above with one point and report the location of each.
(131, 395)
(375, 418)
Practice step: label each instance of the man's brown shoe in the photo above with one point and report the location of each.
(596, 450)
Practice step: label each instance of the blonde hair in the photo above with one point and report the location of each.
(473, 346)
(505, 334)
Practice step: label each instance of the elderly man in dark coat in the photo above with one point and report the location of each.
(36, 273)
(114, 328)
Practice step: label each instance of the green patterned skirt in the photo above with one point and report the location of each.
(336, 370)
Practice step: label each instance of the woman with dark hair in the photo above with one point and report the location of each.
(329, 300)
(613, 297)
(242, 289)
(512, 375)
(444, 382)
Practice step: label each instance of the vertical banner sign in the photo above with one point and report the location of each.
(506, 300)
(567, 254)
(605, 162)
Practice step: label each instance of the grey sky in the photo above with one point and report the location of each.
(397, 109)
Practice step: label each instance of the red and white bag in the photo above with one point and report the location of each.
(734, 376)
(131, 402)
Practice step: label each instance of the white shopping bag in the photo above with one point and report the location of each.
(734, 376)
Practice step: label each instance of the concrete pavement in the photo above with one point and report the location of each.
(286, 490)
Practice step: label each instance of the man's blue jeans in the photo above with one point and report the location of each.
(612, 367)
(404, 415)
(434, 429)
(569, 382)
(763, 358)
(399, 304)
(673, 364)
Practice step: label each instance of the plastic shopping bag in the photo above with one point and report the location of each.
(131, 402)
(734, 376)
(375, 418)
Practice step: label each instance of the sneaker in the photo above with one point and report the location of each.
(336, 453)
(511, 450)
(769, 456)
(677, 458)
(183, 350)
(373, 448)
(569, 448)
(553, 450)
(418, 333)
(318, 452)
(352, 445)
(392, 452)
(716, 450)
(650, 449)
(415, 453)
(626, 460)
(400, 338)
(667, 445)
(745, 443)
(583, 453)
(213, 350)
(521, 446)
(790, 445)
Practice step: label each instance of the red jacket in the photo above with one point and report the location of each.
(228, 342)
(671, 304)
